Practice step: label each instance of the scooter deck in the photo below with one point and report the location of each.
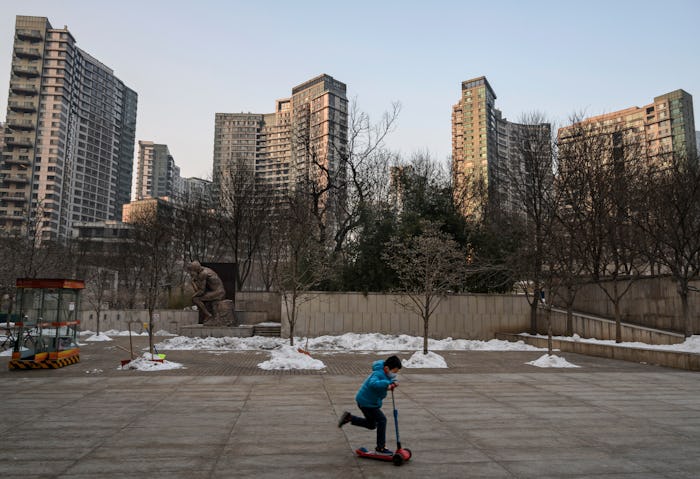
(366, 453)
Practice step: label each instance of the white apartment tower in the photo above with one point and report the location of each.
(487, 149)
(277, 148)
(69, 135)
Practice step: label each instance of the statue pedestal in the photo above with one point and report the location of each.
(207, 331)
(223, 314)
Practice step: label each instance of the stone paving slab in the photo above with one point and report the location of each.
(488, 415)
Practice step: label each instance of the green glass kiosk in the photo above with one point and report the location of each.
(48, 325)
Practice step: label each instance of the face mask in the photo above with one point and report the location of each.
(392, 375)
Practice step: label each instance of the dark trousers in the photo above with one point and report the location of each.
(374, 419)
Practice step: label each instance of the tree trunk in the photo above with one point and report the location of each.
(549, 331)
(291, 317)
(426, 321)
(569, 314)
(425, 336)
(618, 323)
(150, 331)
(687, 326)
(533, 314)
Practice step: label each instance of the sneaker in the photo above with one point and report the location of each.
(345, 418)
(383, 450)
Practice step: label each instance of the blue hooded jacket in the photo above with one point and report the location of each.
(373, 390)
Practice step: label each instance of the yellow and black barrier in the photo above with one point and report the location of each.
(46, 364)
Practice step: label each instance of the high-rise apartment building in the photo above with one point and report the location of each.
(157, 175)
(278, 148)
(69, 135)
(664, 127)
(238, 144)
(487, 150)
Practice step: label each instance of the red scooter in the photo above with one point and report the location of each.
(401, 454)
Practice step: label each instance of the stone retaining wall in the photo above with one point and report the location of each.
(651, 302)
(255, 303)
(592, 327)
(468, 316)
(671, 359)
(167, 320)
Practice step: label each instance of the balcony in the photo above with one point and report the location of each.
(19, 142)
(11, 160)
(11, 217)
(22, 106)
(25, 71)
(24, 89)
(30, 53)
(31, 35)
(16, 178)
(18, 124)
(16, 198)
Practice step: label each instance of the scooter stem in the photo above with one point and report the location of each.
(396, 421)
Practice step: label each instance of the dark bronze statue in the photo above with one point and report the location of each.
(208, 287)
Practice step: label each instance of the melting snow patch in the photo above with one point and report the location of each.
(553, 361)
(289, 357)
(98, 337)
(420, 360)
(114, 332)
(145, 363)
(220, 344)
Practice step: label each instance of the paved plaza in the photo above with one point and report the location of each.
(489, 415)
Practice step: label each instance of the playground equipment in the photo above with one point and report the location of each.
(48, 309)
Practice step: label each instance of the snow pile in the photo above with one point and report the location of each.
(162, 332)
(364, 342)
(553, 361)
(98, 337)
(420, 360)
(289, 357)
(346, 342)
(145, 363)
(221, 344)
(115, 332)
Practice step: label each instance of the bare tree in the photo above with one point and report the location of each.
(197, 232)
(531, 198)
(609, 160)
(365, 168)
(12, 249)
(30, 254)
(429, 266)
(245, 206)
(154, 242)
(668, 212)
(270, 253)
(98, 290)
(303, 264)
(342, 179)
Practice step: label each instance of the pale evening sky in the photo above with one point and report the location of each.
(188, 60)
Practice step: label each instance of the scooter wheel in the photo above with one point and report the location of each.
(409, 453)
(397, 459)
